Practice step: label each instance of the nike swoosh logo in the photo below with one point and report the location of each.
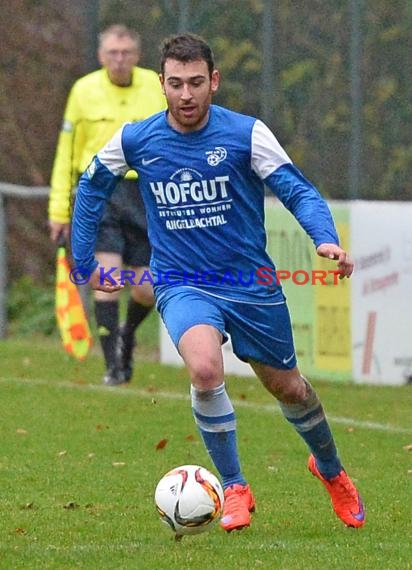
(361, 514)
(287, 360)
(146, 161)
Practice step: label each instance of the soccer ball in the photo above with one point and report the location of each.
(189, 499)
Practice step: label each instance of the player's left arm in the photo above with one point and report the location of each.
(333, 251)
(297, 194)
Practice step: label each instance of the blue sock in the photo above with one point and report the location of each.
(309, 420)
(215, 419)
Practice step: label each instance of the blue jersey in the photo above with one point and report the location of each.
(204, 198)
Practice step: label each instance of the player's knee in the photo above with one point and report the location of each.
(205, 374)
(143, 296)
(292, 391)
(103, 296)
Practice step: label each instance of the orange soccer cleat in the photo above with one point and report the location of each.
(239, 503)
(345, 498)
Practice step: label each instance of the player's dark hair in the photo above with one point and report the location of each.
(186, 48)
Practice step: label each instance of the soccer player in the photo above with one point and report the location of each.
(98, 105)
(202, 171)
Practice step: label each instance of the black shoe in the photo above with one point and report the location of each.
(113, 377)
(126, 344)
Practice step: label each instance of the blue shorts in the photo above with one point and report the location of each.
(258, 332)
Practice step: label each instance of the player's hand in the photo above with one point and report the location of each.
(58, 230)
(333, 251)
(106, 284)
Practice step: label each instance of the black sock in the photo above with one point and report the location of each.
(107, 320)
(136, 314)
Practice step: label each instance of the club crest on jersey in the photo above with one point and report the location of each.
(215, 156)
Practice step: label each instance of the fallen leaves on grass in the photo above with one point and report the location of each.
(161, 444)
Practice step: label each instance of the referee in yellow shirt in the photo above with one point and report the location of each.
(98, 105)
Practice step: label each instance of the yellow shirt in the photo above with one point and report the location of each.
(95, 110)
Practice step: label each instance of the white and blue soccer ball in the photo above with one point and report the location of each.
(189, 499)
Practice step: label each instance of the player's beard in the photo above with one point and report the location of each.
(189, 117)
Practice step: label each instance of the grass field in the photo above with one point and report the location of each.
(78, 467)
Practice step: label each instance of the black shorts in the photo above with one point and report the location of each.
(123, 228)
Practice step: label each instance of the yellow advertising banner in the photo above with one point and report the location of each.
(332, 339)
(319, 302)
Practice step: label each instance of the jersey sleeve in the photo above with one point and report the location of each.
(272, 164)
(267, 153)
(95, 188)
(112, 154)
(304, 201)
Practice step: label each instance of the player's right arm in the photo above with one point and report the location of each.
(95, 188)
(65, 171)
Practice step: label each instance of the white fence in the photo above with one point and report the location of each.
(24, 193)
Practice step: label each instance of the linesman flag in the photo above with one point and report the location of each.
(70, 314)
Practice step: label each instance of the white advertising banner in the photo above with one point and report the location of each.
(361, 330)
(381, 244)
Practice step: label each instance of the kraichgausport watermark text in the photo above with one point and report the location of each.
(266, 276)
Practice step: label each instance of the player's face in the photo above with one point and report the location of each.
(189, 90)
(118, 56)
